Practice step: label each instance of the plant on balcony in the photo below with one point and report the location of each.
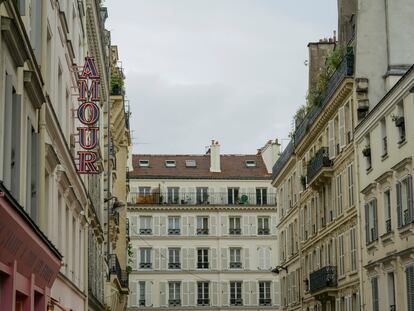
(117, 82)
(366, 151)
(130, 252)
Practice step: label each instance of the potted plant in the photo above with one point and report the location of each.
(366, 151)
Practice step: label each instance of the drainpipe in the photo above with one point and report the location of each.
(86, 259)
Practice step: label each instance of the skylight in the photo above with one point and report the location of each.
(143, 163)
(250, 163)
(170, 163)
(190, 163)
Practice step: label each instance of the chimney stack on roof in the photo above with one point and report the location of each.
(215, 157)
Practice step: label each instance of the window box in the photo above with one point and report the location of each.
(142, 302)
(145, 265)
(235, 265)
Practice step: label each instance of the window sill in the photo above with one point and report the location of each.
(368, 170)
(384, 157)
(352, 273)
(402, 143)
(387, 237)
(406, 230)
(372, 245)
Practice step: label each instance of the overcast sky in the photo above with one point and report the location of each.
(231, 70)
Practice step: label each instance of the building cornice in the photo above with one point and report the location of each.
(195, 208)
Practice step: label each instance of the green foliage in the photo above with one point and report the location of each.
(117, 80)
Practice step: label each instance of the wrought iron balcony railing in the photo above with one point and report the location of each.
(127, 227)
(147, 231)
(263, 231)
(235, 265)
(203, 302)
(214, 198)
(145, 265)
(319, 161)
(174, 302)
(265, 301)
(283, 159)
(115, 268)
(202, 265)
(236, 301)
(174, 265)
(323, 278)
(174, 231)
(202, 231)
(235, 231)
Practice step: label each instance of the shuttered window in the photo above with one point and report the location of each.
(409, 273)
(405, 201)
(341, 251)
(371, 221)
(353, 248)
(350, 185)
(375, 297)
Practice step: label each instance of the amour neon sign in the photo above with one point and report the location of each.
(88, 115)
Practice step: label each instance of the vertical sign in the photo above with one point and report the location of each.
(88, 115)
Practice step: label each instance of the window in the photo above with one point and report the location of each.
(202, 195)
(351, 185)
(391, 290)
(375, 297)
(144, 190)
(174, 258)
(339, 203)
(202, 225)
(173, 195)
(405, 201)
(143, 163)
(145, 258)
(371, 226)
(174, 295)
(174, 225)
(144, 195)
(250, 163)
(387, 210)
(145, 225)
(264, 294)
(409, 273)
(236, 293)
(353, 248)
(169, 163)
(400, 123)
(233, 195)
(203, 298)
(31, 170)
(341, 255)
(202, 258)
(142, 294)
(261, 196)
(235, 228)
(366, 152)
(235, 258)
(190, 163)
(263, 225)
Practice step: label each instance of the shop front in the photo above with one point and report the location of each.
(29, 263)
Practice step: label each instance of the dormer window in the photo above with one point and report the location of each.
(250, 163)
(143, 163)
(169, 163)
(190, 163)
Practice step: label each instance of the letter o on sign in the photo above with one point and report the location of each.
(88, 113)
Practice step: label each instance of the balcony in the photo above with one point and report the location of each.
(235, 265)
(203, 302)
(319, 167)
(388, 226)
(174, 302)
(345, 69)
(235, 231)
(115, 268)
(142, 302)
(322, 279)
(202, 265)
(214, 198)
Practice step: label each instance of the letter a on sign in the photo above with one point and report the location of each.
(89, 69)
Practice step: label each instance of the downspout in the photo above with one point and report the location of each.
(86, 259)
(42, 130)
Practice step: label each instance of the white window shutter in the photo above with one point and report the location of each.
(156, 225)
(163, 225)
(133, 295)
(338, 304)
(273, 224)
(163, 258)
(134, 259)
(185, 225)
(331, 139)
(271, 198)
(191, 195)
(148, 294)
(156, 258)
(276, 292)
(134, 225)
(184, 252)
(222, 197)
(267, 258)
(185, 293)
(191, 258)
(253, 293)
(224, 225)
(224, 293)
(341, 121)
(214, 294)
(224, 259)
(163, 294)
(192, 293)
(212, 196)
(253, 225)
(213, 258)
(261, 258)
(246, 293)
(191, 225)
(246, 226)
(213, 225)
(252, 196)
(246, 258)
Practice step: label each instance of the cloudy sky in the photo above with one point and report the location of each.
(231, 70)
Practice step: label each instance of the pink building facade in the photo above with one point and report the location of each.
(29, 263)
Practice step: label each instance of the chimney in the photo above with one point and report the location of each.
(270, 154)
(318, 52)
(215, 157)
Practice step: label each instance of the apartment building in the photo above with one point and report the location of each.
(118, 136)
(203, 231)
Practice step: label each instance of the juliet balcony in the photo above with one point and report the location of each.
(319, 168)
(115, 269)
(323, 279)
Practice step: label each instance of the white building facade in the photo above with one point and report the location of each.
(203, 231)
